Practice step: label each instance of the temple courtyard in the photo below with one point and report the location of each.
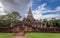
(30, 35)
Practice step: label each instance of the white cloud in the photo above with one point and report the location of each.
(2, 9)
(41, 9)
(38, 0)
(20, 6)
(58, 8)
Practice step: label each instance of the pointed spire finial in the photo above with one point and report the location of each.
(30, 10)
(30, 13)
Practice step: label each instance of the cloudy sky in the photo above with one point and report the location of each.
(46, 9)
(41, 9)
(21, 6)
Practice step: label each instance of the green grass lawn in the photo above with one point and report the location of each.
(5, 35)
(43, 35)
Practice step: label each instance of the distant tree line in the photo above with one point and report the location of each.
(54, 22)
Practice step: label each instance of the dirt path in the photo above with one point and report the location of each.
(19, 35)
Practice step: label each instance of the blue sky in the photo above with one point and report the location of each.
(46, 9)
(51, 4)
(41, 9)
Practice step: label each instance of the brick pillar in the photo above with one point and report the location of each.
(17, 28)
(25, 28)
(51, 26)
(45, 25)
(11, 25)
(35, 25)
(41, 25)
(38, 25)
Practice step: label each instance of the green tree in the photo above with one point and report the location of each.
(13, 17)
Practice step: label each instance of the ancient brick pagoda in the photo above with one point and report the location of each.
(29, 24)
